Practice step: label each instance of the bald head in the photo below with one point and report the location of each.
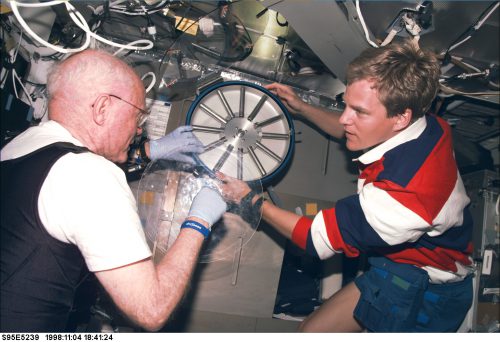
(84, 75)
(82, 98)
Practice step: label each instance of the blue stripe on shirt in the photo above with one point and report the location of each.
(402, 163)
(310, 249)
(456, 238)
(353, 226)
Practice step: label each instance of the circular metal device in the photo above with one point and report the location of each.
(164, 197)
(247, 132)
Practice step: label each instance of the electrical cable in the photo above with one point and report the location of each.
(30, 49)
(457, 61)
(76, 17)
(415, 41)
(390, 36)
(412, 26)
(466, 66)
(497, 206)
(153, 82)
(115, 19)
(12, 60)
(117, 2)
(15, 77)
(449, 90)
(151, 28)
(124, 9)
(473, 28)
(119, 19)
(129, 46)
(365, 29)
(79, 20)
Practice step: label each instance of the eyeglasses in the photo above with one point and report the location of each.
(143, 114)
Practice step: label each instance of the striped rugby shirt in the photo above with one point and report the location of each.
(411, 207)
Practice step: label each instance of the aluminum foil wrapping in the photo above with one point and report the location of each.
(165, 193)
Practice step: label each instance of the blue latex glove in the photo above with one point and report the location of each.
(177, 145)
(208, 205)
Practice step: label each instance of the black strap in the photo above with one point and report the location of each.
(142, 150)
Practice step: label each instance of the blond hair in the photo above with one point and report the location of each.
(404, 76)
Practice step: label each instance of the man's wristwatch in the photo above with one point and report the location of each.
(143, 154)
(258, 204)
(246, 201)
(249, 212)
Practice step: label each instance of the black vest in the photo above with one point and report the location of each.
(39, 274)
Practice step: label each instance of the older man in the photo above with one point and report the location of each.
(66, 206)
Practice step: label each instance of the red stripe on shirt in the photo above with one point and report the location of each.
(410, 198)
(369, 174)
(334, 235)
(440, 258)
(428, 190)
(300, 231)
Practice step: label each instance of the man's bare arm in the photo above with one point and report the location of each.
(327, 121)
(148, 293)
(282, 220)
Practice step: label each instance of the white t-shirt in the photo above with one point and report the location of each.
(85, 200)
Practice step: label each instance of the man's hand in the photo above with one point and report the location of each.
(289, 98)
(233, 189)
(177, 145)
(208, 205)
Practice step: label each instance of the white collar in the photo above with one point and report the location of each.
(60, 132)
(410, 133)
(46, 133)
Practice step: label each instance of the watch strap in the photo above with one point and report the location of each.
(142, 150)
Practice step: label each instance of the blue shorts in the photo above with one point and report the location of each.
(399, 298)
